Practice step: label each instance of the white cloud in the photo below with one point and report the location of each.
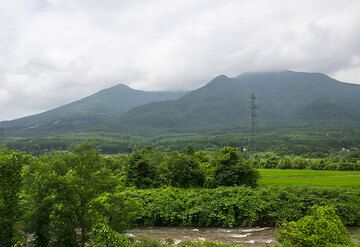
(56, 51)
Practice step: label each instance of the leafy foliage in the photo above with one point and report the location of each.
(347, 161)
(233, 170)
(11, 164)
(321, 228)
(151, 168)
(141, 172)
(70, 191)
(240, 206)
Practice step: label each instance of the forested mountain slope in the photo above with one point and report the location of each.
(89, 112)
(283, 98)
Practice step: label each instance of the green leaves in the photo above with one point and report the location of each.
(68, 193)
(141, 172)
(321, 228)
(234, 170)
(240, 206)
(11, 164)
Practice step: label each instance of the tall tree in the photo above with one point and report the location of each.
(64, 187)
(233, 170)
(11, 164)
(141, 172)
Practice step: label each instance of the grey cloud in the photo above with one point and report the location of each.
(57, 51)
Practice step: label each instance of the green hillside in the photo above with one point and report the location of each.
(89, 112)
(284, 99)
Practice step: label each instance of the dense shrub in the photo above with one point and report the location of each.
(180, 170)
(151, 168)
(233, 170)
(339, 162)
(321, 228)
(240, 206)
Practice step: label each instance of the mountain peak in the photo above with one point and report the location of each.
(216, 80)
(221, 77)
(121, 86)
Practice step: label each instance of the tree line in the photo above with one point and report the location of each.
(70, 198)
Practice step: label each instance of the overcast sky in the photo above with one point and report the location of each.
(55, 51)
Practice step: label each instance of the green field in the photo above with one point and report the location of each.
(309, 177)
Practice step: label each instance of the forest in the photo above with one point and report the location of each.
(82, 197)
(314, 142)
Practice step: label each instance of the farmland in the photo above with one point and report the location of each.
(309, 177)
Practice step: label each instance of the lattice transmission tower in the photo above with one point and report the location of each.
(252, 116)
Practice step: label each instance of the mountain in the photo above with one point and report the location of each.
(284, 99)
(89, 112)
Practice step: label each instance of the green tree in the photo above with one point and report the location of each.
(62, 189)
(321, 228)
(39, 197)
(141, 172)
(233, 170)
(181, 170)
(11, 164)
(190, 150)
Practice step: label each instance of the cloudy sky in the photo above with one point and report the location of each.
(55, 51)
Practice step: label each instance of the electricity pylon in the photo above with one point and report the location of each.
(252, 116)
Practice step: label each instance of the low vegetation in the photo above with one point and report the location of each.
(321, 228)
(309, 177)
(81, 197)
(240, 206)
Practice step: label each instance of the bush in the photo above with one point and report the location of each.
(102, 235)
(321, 228)
(240, 206)
(180, 170)
(233, 170)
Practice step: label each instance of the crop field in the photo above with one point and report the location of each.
(309, 177)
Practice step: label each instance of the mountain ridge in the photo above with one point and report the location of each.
(284, 98)
(222, 103)
(109, 101)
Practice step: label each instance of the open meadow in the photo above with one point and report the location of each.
(309, 177)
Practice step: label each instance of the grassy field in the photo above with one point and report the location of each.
(309, 177)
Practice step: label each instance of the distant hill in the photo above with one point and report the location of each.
(284, 99)
(88, 112)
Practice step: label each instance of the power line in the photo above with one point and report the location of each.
(252, 116)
